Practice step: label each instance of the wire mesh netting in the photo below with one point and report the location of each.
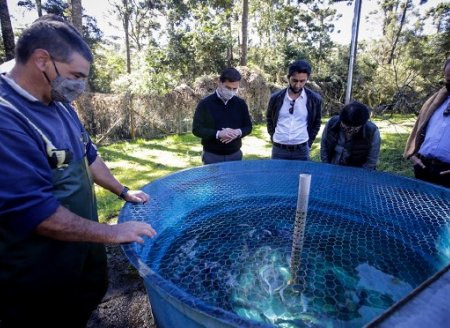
(225, 235)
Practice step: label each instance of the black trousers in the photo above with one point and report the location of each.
(61, 293)
(432, 170)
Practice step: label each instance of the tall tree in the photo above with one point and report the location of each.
(126, 24)
(200, 36)
(77, 14)
(7, 30)
(406, 6)
(142, 22)
(244, 46)
(289, 30)
(57, 7)
(317, 32)
(39, 7)
(137, 22)
(28, 4)
(441, 17)
(123, 10)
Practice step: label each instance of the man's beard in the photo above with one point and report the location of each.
(294, 91)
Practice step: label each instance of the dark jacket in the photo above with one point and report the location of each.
(313, 105)
(417, 135)
(362, 152)
(213, 115)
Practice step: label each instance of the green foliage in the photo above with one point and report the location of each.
(108, 67)
(57, 7)
(200, 48)
(140, 162)
(393, 74)
(144, 80)
(2, 51)
(289, 32)
(91, 33)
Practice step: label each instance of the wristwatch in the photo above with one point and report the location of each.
(124, 192)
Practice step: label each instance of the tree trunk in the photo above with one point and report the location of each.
(230, 56)
(244, 46)
(126, 24)
(77, 15)
(39, 7)
(399, 32)
(7, 31)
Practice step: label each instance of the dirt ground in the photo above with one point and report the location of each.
(125, 304)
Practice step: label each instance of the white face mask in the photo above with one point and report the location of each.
(225, 93)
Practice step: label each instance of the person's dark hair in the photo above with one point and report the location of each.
(51, 17)
(230, 74)
(300, 66)
(59, 38)
(447, 62)
(354, 114)
(54, 17)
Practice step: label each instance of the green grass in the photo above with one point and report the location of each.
(137, 163)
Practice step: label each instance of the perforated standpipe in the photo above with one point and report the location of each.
(299, 228)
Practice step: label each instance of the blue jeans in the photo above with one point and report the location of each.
(302, 153)
(211, 158)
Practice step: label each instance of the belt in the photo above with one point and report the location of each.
(289, 147)
(433, 161)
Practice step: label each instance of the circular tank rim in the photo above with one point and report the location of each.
(172, 290)
(221, 168)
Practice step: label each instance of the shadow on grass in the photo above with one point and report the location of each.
(260, 132)
(137, 163)
(134, 164)
(391, 154)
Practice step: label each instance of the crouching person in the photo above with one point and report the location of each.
(350, 139)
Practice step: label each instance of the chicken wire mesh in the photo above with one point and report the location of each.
(225, 238)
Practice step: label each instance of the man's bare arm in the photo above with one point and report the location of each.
(67, 226)
(104, 178)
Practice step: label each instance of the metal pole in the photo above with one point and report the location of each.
(353, 47)
(299, 227)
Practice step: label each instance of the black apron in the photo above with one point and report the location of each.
(50, 283)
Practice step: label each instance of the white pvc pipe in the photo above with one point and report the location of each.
(299, 226)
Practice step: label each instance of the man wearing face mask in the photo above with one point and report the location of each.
(52, 259)
(7, 66)
(428, 146)
(293, 115)
(221, 120)
(349, 139)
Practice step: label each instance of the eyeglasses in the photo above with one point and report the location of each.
(291, 109)
(350, 129)
(447, 111)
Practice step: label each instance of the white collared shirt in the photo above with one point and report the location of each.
(292, 129)
(437, 135)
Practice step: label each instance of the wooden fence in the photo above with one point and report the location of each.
(110, 117)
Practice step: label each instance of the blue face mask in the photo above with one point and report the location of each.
(64, 89)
